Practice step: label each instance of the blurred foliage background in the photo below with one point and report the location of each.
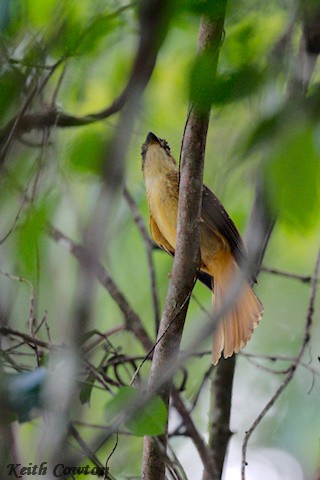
(54, 176)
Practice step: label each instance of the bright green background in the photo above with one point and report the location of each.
(101, 51)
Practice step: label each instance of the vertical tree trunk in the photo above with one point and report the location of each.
(186, 260)
(220, 409)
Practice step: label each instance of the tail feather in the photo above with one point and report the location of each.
(237, 326)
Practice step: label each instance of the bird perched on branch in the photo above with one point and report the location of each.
(221, 247)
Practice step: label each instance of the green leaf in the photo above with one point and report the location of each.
(202, 79)
(238, 84)
(86, 336)
(201, 7)
(265, 133)
(87, 151)
(30, 232)
(39, 12)
(248, 40)
(11, 82)
(292, 178)
(207, 89)
(145, 418)
(120, 403)
(99, 28)
(151, 419)
(78, 36)
(86, 388)
(23, 392)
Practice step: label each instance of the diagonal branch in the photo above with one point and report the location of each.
(153, 24)
(131, 318)
(13, 128)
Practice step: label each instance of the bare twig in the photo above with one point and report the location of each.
(132, 320)
(291, 371)
(28, 339)
(280, 358)
(85, 448)
(153, 25)
(194, 402)
(192, 431)
(149, 250)
(281, 273)
(161, 336)
(103, 336)
(14, 127)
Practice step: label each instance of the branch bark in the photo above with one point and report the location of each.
(131, 318)
(187, 256)
(220, 410)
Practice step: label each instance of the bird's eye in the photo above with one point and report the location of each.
(165, 146)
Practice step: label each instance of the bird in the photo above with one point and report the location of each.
(222, 249)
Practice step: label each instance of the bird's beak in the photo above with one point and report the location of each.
(151, 138)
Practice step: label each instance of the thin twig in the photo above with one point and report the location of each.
(149, 251)
(132, 319)
(14, 126)
(291, 370)
(85, 448)
(104, 336)
(161, 337)
(191, 430)
(279, 358)
(152, 18)
(195, 399)
(282, 273)
(29, 340)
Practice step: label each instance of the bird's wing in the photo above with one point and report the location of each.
(159, 238)
(203, 277)
(215, 217)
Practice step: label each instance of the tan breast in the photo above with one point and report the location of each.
(162, 197)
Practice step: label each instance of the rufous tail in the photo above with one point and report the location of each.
(236, 327)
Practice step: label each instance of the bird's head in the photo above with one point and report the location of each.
(156, 152)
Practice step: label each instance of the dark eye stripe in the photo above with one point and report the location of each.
(164, 145)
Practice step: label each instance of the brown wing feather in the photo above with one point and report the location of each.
(215, 216)
(159, 238)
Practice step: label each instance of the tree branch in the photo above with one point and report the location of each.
(281, 273)
(291, 370)
(259, 230)
(153, 25)
(131, 318)
(220, 410)
(192, 431)
(30, 340)
(13, 128)
(186, 260)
